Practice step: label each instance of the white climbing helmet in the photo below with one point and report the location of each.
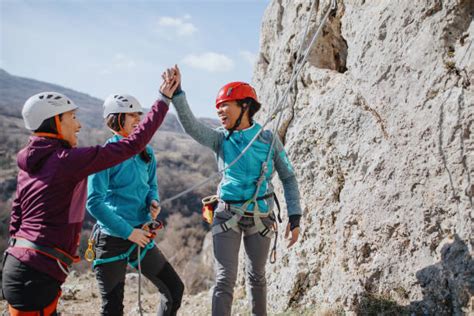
(43, 106)
(121, 103)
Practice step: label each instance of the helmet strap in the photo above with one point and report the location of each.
(58, 135)
(121, 131)
(237, 123)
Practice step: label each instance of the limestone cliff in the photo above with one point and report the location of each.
(379, 127)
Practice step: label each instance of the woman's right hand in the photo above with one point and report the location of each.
(140, 237)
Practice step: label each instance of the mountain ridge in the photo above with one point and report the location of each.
(15, 90)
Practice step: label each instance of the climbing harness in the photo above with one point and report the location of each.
(152, 227)
(263, 230)
(63, 259)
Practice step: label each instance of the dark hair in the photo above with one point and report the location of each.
(114, 121)
(252, 105)
(49, 126)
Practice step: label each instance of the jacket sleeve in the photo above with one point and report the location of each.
(287, 176)
(152, 180)
(15, 218)
(82, 162)
(203, 134)
(97, 185)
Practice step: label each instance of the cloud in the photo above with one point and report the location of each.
(179, 25)
(248, 56)
(119, 62)
(210, 61)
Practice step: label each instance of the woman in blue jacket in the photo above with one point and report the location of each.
(244, 211)
(122, 199)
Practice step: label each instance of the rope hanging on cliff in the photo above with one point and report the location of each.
(277, 109)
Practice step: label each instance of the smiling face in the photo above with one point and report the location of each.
(228, 113)
(70, 127)
(131, 122)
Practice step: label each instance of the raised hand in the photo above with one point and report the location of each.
(169, 84)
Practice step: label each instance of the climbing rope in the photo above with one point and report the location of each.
(151, 226)
(293, 76)
(277, 109)
(140, 309)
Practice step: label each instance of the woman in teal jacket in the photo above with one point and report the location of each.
(123, 199)
(237, 215)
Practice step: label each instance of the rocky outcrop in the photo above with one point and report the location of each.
(379, 127)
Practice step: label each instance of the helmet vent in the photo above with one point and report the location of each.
(68, 102)
(124, 100)
(57, 97)
(41, 97)
(49, 96)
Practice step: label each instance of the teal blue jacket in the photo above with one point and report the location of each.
(120, 197)
(239, 181)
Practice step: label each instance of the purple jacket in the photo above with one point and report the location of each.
(52, 189)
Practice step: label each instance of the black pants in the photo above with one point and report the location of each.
(27, 289)
(154, 266)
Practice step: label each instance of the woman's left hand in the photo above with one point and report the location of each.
(155, 209)
(295, 233)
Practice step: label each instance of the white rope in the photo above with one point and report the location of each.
(140, 310)
(277, 109)
(275, 128)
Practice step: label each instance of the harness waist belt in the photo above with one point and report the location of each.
(53, 253)
(264, 197)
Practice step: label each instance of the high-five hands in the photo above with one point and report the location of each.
(170, 82)
(172, 75)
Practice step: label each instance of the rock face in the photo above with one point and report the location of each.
(379, 127)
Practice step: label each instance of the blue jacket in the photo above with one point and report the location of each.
(239, 181)
(120, 197)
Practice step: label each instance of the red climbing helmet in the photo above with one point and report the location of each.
(235, 91)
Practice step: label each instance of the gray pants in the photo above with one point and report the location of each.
(226, 254)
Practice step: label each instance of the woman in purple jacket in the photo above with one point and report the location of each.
(48, 210)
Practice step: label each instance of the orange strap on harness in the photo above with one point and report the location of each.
(46, 311)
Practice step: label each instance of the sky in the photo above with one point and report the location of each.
(101, 47)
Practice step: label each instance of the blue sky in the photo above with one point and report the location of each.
(103, 47)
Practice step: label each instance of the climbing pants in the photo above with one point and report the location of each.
(154, 266)
(28, 291)
(226, 254)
